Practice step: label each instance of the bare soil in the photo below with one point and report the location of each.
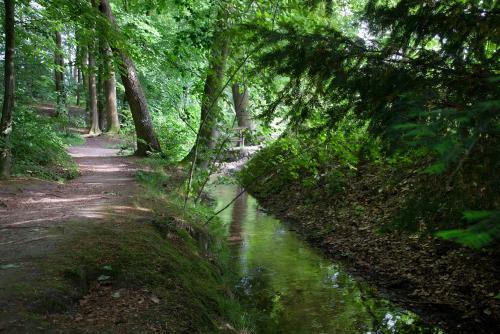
(31, 209)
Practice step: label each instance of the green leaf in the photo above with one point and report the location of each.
(474, 216)
(436, 168)
(467, 237)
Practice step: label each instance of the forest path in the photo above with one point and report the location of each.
(36, 215)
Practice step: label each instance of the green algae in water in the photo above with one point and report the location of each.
(295, 289)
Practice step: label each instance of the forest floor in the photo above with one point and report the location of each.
(36, 216)
(31, 209)
(86, 256)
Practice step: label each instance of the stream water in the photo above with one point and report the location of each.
(293, 287)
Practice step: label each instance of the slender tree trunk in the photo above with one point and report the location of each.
(210, 109)
(241, 100)
(86, 88)
(94, 128)
(79, 66)
(100, 97)
(78, 84)
(9, 91)
(85, 84)
(59, 73)
(146, 138)
(243, 117)
(110, 92)
(75, 65)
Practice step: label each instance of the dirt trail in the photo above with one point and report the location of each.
(36, 215)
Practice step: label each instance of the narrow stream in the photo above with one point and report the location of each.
(296, 289)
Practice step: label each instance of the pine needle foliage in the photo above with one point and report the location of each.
(425, 75)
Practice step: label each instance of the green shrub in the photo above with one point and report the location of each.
(326, 159)
(38, 149)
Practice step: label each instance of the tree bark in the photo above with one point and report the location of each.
(146, 137)
(110, 92)
(86, 85)
(9, 92)
(59, 73)
(94, 128)
(79, 67)
(100, 97)
(78, 84)
(210, 109)
(75, 66)
(241, 100)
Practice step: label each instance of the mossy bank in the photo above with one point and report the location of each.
(162, 272)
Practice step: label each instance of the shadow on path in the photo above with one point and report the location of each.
(36, 215)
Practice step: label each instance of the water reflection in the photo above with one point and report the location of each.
(238, 214)
(294, 288)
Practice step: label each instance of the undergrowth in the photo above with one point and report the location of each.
(459, 204)
(38, 146)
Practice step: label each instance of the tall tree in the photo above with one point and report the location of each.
(75, 66)
(100, 96)
(110, 91)
(78, 68)
(59, 72)
(94, 112)
(85, 78)
(210, 109)
(146, 137)
(79, 80)
(9, 91)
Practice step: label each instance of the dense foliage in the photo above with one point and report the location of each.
(39, 147)
(410, 85)
(425, 77)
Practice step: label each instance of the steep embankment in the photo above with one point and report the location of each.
(105, 252)
(454, 287)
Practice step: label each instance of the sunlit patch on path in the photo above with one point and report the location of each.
(35, 215)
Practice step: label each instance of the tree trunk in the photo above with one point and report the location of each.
(241, 100)
(86, 85)
(146, 138)
(79, 67)
(9, 86)
(110, 92)
(100, 97)
(75, 66)
(78, 84)
(59, 73)
(94, 128)
(210, 109)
